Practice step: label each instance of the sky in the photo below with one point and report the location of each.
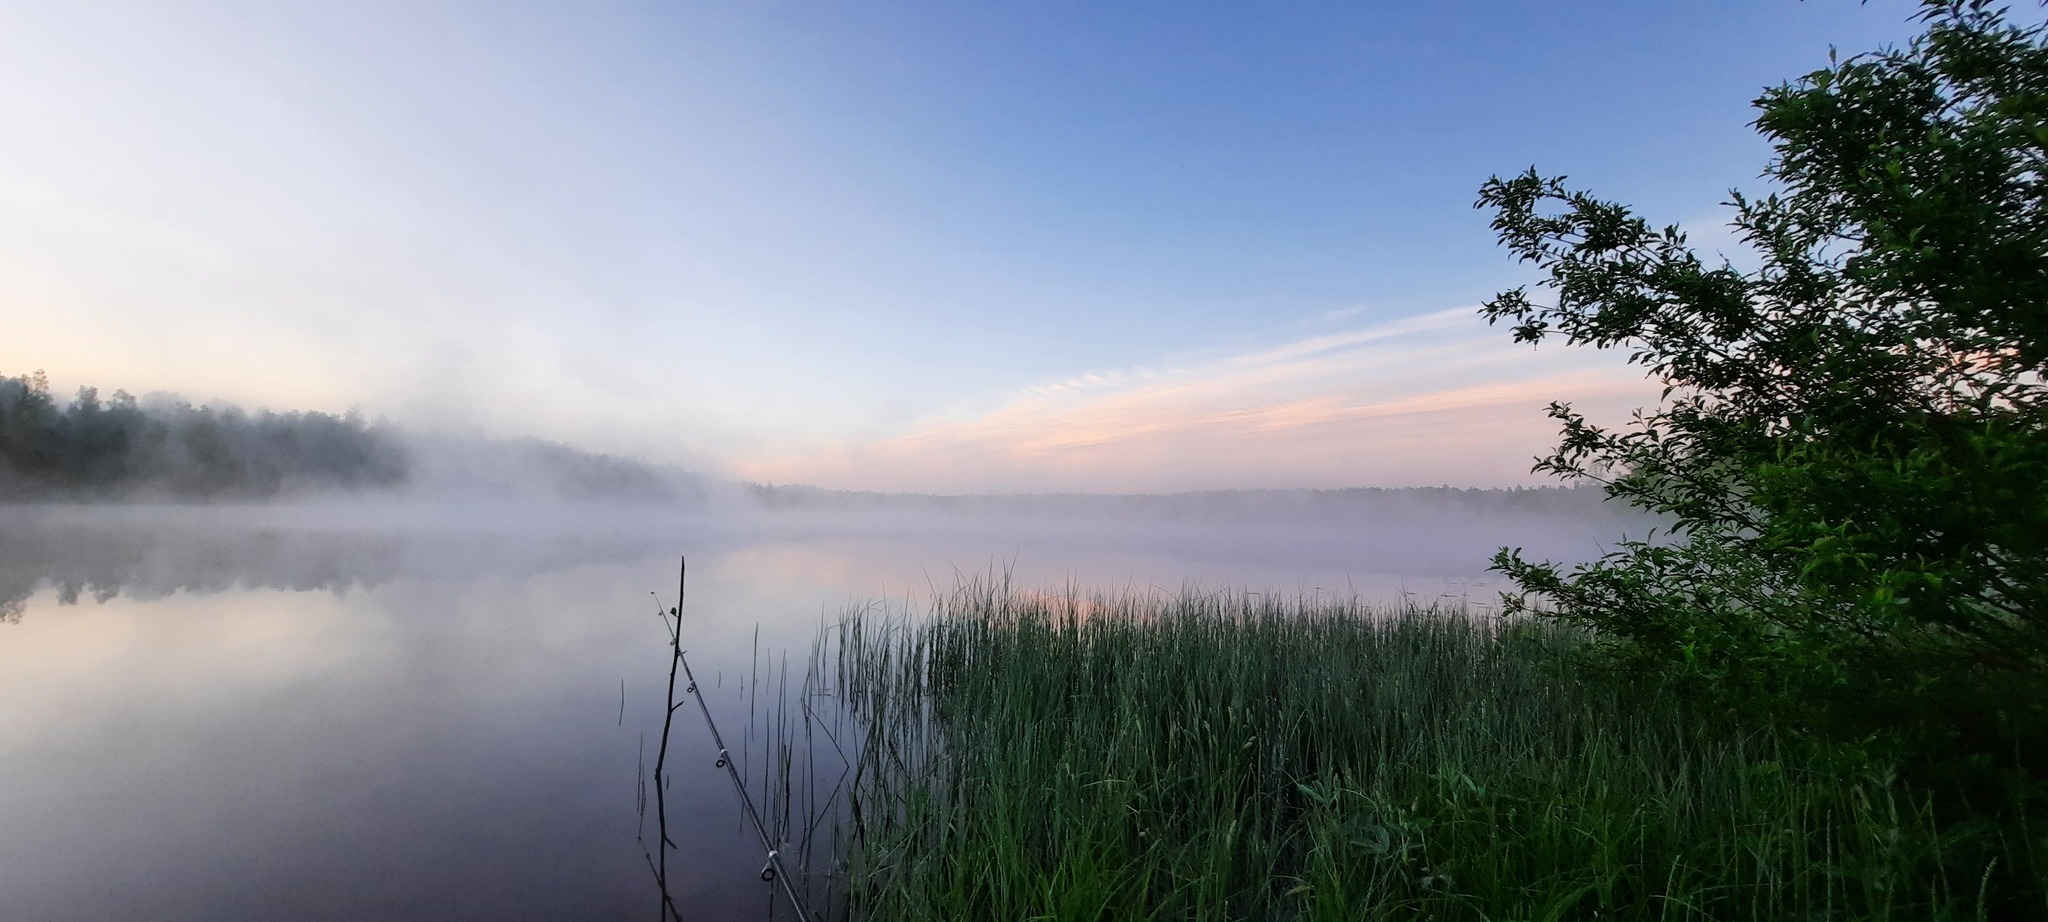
(952, 247)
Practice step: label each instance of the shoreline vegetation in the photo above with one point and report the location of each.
(125, 447)
(162, 448)
(1019, 755)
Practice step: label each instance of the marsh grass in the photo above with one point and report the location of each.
(1240, 756)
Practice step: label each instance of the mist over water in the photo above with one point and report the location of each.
(409, 710)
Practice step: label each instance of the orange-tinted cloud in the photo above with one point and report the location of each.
(1433, 399)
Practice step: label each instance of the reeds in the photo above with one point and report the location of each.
(1240, 756)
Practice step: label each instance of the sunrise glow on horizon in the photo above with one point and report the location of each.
(913, 247)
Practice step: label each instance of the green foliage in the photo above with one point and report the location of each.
(1853, 445)
(1025, 756)
(120, 448)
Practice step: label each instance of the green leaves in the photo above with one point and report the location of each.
(1853, 447)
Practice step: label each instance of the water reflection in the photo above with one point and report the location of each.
(313, 714)
(149, 554)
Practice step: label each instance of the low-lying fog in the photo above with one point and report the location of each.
(404, 707)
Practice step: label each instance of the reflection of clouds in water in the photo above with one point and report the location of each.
(395, 738)
(400, 697)
(205, 653)
(1386, 546)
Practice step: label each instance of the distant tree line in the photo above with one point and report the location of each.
(580, 476)
(125, 448)
(1345, 505)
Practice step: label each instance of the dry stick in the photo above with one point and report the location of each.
(774, 868)
(663, 844)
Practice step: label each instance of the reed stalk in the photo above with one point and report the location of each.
(1017, 755)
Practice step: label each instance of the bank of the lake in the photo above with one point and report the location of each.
(1238, 756)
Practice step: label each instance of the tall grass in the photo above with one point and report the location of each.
(1237, 756)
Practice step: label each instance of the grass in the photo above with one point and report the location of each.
(1237, 756)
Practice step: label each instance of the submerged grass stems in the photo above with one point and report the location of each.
(1236, 756)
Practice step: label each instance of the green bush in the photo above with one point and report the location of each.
(1853, 445)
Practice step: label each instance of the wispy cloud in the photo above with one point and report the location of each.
(1437, 398)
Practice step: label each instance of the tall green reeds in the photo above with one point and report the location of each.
(1238, 756)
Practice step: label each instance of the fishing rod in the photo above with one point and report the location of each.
(773, 870)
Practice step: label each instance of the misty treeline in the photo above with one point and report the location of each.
(125, 447)
(163, 447)
(1346, 505)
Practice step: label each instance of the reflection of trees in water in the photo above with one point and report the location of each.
(104, 561)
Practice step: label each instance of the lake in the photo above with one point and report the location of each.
(349, 711)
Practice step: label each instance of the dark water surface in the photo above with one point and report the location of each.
(362, 713)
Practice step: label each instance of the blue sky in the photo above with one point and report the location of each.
(895, 246)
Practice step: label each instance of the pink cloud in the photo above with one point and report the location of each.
(1426, 400)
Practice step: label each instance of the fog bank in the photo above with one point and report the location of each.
(160, 447)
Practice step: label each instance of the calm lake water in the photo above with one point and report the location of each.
(362, 712)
